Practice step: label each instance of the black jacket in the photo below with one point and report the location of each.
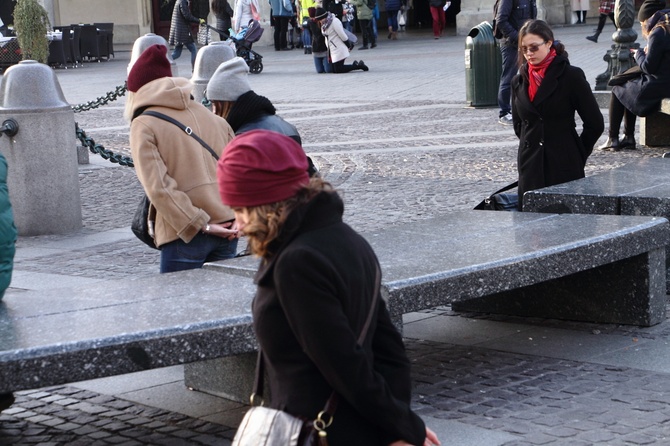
(643, 95)
(313, 297)
(511, 16)
(550, 150)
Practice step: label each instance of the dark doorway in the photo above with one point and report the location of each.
(162, 11)
(7, 11)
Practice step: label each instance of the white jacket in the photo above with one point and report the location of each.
(335, 38)
(243, 14)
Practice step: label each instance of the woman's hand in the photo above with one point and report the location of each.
(431, 440)
(226, 229)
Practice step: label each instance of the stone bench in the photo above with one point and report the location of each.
(71, 334)
(591, 268)
(641, 187)
(654, 129)
(582, 267)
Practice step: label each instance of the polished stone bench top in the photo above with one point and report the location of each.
(641, 187)
(468, 254)
(70, 334)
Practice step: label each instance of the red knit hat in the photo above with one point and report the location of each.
(261, 167)
(151, 65)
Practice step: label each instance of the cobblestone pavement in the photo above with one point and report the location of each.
(396, 158)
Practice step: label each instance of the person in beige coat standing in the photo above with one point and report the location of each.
(178, 174)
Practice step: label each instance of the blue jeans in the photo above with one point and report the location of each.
(322, 65)
(509, 69)
(306, 37)
(180, 256)
(190, 46)
(392, 19)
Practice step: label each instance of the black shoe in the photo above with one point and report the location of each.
(6, 400)
(286, 49)
(355, 64)
(308, 50)
(361, 65)
(593, 39)
(364, 47)
(628, 142)
(374, 45)
(611, 143)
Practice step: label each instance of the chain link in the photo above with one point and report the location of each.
(87, 141)
(103, 100)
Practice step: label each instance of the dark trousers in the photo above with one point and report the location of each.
(340, 67)
(368, 33)
(618, 113)
(281, 28)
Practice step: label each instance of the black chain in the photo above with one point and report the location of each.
(103, 100)
(87, 141)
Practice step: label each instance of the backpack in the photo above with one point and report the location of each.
(496, 32)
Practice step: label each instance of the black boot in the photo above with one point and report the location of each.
(601, 24)
(628, 142)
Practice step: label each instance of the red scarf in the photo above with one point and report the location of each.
(536, 73)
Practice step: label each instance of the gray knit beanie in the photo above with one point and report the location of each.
(229, 81)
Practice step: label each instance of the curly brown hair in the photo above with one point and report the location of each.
(266, 221)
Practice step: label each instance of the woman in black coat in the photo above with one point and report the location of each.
(224, 14)
(545, 96)
(642, 96)
(315, 291)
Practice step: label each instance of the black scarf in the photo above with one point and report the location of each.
(249, 107)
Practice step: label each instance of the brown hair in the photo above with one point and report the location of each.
(542, 29)
(266, 221)
(222, 108)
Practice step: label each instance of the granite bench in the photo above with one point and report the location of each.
(655, 128)
(641, 187)
(593, 268)
(71, 334)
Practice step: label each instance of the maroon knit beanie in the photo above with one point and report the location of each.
(151, 65)
(261, 167)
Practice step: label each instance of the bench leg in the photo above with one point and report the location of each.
(655, 130)
(630, 291)
(231, 377)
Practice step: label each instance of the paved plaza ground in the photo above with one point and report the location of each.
(401, 145)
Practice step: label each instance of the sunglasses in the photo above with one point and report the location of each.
(532, 48)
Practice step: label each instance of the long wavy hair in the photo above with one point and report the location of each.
(542, 29)
(267, 221)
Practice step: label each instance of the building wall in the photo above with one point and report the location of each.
(476, 11)
(131, 18)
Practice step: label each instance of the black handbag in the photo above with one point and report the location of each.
(263, 426)
(628, 75)
(143, 220)
(500, 200)
(143, 223)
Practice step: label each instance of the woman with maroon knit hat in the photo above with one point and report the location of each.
(316, 287)
(178, 174)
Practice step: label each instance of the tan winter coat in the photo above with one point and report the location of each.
(177, 173)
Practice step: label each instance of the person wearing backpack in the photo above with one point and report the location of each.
(510, 15)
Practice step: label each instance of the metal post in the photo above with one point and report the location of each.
(620, 58)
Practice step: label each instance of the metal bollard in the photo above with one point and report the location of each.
(40, 148)
(144, 42)
(206, 62)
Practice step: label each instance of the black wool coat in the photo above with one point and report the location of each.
(550, 149)
(643, 95)
(313, 298)
(180, 28)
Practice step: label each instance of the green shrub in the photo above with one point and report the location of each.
(31, 23)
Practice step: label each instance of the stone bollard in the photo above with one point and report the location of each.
(144, 42)
(43, 173)
(206, 62)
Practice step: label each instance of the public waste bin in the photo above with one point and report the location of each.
(483, 66)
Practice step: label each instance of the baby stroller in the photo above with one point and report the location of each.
(243, 42)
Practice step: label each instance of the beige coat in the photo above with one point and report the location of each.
(177, 173)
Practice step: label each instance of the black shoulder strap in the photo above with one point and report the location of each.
(186, 129)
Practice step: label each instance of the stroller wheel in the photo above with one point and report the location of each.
(256, 67)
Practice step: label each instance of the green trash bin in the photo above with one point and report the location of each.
(483, 66)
